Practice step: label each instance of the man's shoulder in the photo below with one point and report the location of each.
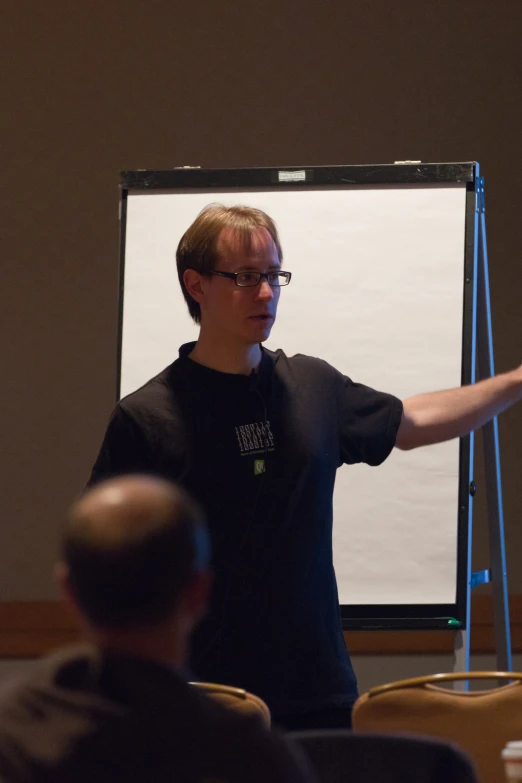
(301, 364)
(65, 669)
(155, 387)
(14, 695)
(159, 397)
(252, 745)
(32, 706)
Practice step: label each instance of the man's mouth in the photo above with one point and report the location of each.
(262, 317)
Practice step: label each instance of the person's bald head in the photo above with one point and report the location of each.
(130, 546)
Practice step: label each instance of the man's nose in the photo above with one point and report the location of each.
(264, 291)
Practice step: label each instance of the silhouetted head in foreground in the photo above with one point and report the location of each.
(135, 565)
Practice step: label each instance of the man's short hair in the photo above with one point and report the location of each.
(133, 575)
(198, 250)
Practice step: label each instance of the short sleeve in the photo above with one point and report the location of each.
(124, 449)
(368, 422)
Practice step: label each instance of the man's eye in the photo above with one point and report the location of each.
(246, 278)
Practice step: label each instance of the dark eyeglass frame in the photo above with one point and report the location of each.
(260, 276)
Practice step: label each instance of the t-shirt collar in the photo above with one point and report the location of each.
(187, 348)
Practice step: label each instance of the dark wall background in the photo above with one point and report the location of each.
(96, 87)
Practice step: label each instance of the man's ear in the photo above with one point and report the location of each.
(61, 576)
(193, 283)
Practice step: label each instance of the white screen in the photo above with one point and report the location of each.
(377, 291)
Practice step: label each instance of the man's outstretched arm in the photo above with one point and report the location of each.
(439, 416)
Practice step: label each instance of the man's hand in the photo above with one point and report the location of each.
(439, 416)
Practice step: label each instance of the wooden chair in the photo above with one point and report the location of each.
(237, 699)
(480, 722)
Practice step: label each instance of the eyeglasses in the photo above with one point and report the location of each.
(274, 279)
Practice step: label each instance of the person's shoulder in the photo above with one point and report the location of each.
(156, 386)
(245, 738)
(301, 364)
(55, 669)
(12, 693)
(18, 713)
(21, 701)
(230, 723)
(155, 400)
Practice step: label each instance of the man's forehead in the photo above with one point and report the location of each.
(258, 242)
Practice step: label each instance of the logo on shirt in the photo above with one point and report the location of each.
(259, 467)
(256, 438)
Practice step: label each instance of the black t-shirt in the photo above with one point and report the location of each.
(260, 453)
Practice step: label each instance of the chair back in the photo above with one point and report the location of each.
(339, 756)
(479, 722)
(237, 699)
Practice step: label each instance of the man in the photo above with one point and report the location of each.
(135, 566)
(257, 437)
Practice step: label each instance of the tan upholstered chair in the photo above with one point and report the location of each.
(237, 699)
(480, 722)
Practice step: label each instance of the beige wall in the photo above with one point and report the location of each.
(97, 87)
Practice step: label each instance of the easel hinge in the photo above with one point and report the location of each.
(480, 578)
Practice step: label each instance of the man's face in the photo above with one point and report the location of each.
(244, 313)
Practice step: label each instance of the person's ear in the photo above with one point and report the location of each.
(193, 282)
(62, 578)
